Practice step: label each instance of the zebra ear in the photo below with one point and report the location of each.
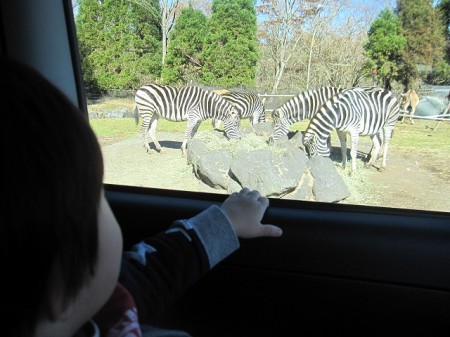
(277, 113)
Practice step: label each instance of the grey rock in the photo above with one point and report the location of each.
(280, 171)
(264, 171)
(297, 139)
(213, 168)
(304, 189)
(195, 150)
(119, 113)
(328, 184)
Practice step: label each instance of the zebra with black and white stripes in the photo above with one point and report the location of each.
(248, 106)
(360, 112)
(191, 104)
(303, 106)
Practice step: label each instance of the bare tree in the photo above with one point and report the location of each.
(168, 12)
(322, 44)
(339, 54)
(290, 25)
(278, 31)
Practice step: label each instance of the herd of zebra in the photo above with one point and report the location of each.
(368, 111)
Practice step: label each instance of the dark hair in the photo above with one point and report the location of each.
(50, 192)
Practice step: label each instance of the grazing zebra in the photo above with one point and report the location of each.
(367, 112)
(191, 103)
(247, 105)
(409, 99)
(303, 106)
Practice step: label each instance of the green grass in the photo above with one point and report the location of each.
(119, 128)
(421, 135)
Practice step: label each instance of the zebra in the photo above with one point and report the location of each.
(359, 111)
(248, 105)
(192, 104)
(303, 106)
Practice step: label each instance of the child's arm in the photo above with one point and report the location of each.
(159, 269)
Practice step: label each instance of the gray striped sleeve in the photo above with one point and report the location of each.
(215, 232)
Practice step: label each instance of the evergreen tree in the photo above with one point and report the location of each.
(183, 62)
(441, 73)
(422, 26)
(230, 51)
(384, 47)
(120, 44)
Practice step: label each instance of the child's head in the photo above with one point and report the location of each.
(53, 216)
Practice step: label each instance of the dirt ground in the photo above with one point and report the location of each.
(410, 181)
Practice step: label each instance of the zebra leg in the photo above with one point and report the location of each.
(191, 130)
(146, 120)
(354, 151)
(343, 140)
(152, 132)
(374, 152)
(387, 138)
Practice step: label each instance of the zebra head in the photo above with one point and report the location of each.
(232, 123)
(315, 146)
(280, 125)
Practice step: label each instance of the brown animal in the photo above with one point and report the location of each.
(220, 91)
(409, 99)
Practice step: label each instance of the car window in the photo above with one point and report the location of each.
(212, 96)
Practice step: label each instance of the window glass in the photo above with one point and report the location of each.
(212, 96)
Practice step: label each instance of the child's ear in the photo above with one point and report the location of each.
(58, 309)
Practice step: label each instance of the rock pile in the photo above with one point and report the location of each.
(279, 171)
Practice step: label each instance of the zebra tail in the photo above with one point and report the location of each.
(136, 114)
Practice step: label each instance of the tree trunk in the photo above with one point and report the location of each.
(278, 75)
(164, 34)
